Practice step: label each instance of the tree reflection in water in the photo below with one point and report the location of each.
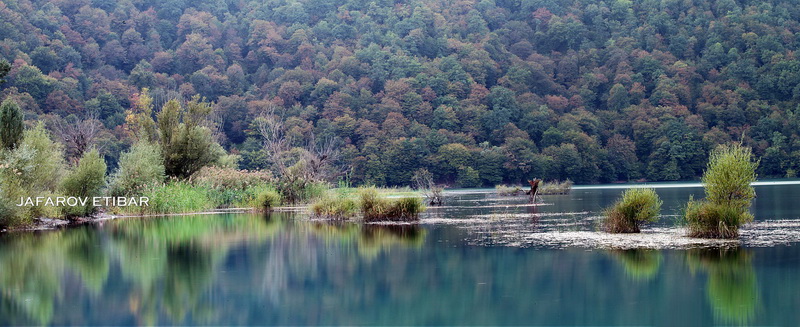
(168, 263)
(732, 289)
(639, 264)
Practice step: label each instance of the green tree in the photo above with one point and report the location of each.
(186, 144)
(5, 67)
(11, 124)
(140, 167)
(618, 98)
(86, 181)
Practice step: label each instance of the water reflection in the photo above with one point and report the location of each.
(731, 289)
(167, 265)
(282, 269)
(639, 264)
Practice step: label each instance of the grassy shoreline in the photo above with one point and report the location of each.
(179, 198)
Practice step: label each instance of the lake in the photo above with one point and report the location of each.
(480, 260)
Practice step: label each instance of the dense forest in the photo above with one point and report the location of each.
(476, 92)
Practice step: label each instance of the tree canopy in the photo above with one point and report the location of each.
(477, 92)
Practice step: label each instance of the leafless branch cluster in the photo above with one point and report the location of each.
(423, 181)
(320, 157)
(77, 135)
(271, 127)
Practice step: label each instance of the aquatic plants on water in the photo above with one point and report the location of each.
(335, 207)
(727, 181)
(637, 206)
(376, 208)
(555, 188)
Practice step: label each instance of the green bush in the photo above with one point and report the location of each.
(334, 207)
(728, 194)
(266, 200)
(34, 168)
(139, 168)
(638, 205)
(376, 208)
(711, 220)
(87, 180)
(47, 160)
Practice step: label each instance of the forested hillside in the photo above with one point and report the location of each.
(477, 92)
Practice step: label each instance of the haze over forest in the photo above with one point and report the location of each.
(477, 92)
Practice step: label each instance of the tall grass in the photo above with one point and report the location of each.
(505, 190)
(335, 207)
(728, 194)
(232, 187)
(638, 205)
(555, 188)
(174, 197)
(376, 208)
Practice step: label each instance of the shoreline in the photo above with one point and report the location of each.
(48, 224)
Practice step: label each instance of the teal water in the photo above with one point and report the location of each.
(451, 269)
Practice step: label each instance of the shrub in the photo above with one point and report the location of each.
(47, 159)
(710, 220)
(33, 168)
(637, 205)
(728, 194)
(11, 124)
(376, 208)
(295, 185)
(334, 207)
(87, 180)
(139, 168)
(266, 200)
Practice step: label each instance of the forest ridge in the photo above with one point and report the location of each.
(477, 92)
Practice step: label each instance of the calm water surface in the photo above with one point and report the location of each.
(282, 269)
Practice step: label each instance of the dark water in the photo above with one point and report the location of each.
(281, 269)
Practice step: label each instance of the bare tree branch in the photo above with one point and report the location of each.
(77, 135)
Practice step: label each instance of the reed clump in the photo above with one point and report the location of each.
(231, 187)
(335, 207)
(376, 208)
(555, 188)
(727, 181)
(175, 196)
(637, 206)
(506, 190)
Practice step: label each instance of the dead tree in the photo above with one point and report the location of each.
(423, 181)
(77, 135)
(534, 190)
(270, 126)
